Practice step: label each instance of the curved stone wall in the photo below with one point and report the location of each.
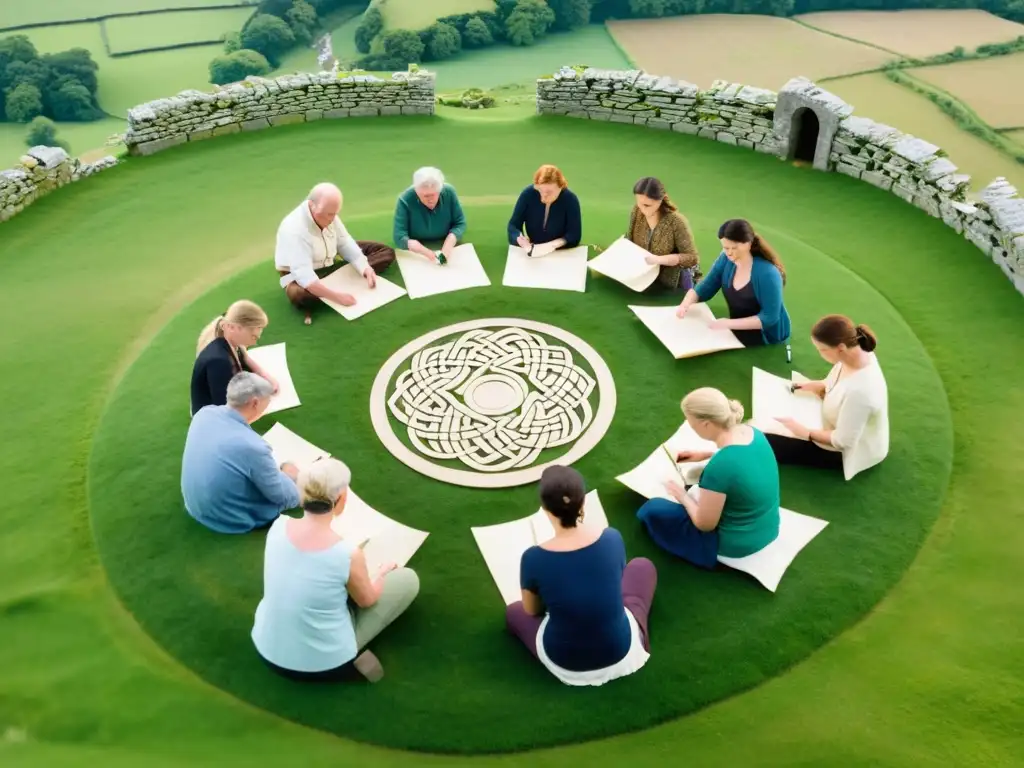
(40, 171)
(803, 120)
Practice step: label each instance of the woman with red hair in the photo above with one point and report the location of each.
(547, 215)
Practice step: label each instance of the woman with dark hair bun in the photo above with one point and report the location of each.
(584, 608)
(855, 404)
(750, 275)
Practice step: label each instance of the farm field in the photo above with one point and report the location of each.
(81, 137)
(133, 33)
(991, 87)
(880, 99)
(17, 12)
(765, 51)
(917, 32)
(417, 14)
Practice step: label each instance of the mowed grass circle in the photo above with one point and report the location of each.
(455, 681)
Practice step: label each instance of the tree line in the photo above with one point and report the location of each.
(61, 85)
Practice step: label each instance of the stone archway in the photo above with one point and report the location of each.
(806, 121)
(804, 133)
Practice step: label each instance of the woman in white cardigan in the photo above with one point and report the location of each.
(854, 409)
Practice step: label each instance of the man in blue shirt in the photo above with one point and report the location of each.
(229, 479)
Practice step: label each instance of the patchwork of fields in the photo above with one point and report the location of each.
(134, 33)
(18, 12)
(991, 87)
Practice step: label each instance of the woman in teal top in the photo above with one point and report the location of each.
(320, 607)
(750, 276)
(737, 510)
(428, 213)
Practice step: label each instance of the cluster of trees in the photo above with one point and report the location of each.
(275, 28)
(625, 9)
(58, 85)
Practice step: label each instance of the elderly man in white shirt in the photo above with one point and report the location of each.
(310, 239)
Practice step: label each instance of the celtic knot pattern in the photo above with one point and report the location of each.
(493, 398)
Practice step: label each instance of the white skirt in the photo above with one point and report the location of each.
(629, 664)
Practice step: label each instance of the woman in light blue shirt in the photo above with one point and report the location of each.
(306, 627)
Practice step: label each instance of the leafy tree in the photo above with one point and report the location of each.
(268, 35)
(237, 66)
(76, 63)
(31, 72)
(403, 47)
(43, 131)
(71, 101)
(371, 25)
(302, 20)
(477, 34)
(570, 14)
(528, 22)
(16, 48)
(23, 102)
(232, 42)
(647, 8)
(444, 41)
(277, 8)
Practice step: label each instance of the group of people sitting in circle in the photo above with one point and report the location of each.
(584, 608)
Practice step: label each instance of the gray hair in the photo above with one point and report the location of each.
(430, 178)
(321, 483)
(244, 386)
(322, 190)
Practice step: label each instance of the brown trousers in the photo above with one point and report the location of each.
(379, 256)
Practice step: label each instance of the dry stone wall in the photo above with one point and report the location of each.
(257, 103)
(40, 171)
(909, 167)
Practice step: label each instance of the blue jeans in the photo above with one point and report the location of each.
(672, 529)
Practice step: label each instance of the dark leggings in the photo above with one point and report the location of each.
(345, 673)
(638, 583)
(791, 450)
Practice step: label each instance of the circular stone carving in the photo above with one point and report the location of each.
(492, 395)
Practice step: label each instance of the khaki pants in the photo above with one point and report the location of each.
(379, 255)
(400, 588)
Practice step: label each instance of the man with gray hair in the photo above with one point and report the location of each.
(429, 211)
(309, 241)
(229, 479)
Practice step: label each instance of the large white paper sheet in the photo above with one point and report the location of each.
(288, 446)
(771, 397)
(274, 361)
(564, 270)
(624, 261)
(502, 545)
(649, 477)
(689, 336)
(386, 540)
(425, 278)
(347, 280)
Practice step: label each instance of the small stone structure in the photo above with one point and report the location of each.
(257, 103)
(40, 171)
(803, 121)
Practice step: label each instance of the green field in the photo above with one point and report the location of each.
(418, 14)
(343, 25)
(81, 137)
(133, 33)
(125, 627)
(17, 12)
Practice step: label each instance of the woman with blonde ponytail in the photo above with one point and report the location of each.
(657, 226)
(220, 353)
(734, 511)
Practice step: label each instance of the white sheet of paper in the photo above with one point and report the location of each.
(624, 261)
(689, 336)
(502, 545)
(426, 278)
(288, 446)
(347, 280)
(649, 477)
(564, 270)
(770, 564)
(772, 398)
(274, 361)
(389, 540)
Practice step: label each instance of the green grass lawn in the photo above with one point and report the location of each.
(17, 12)
(418, 14)
(133, 33)
(81, 137)
(931, 676)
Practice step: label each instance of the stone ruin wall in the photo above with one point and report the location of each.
(755, 118)
(40, 171)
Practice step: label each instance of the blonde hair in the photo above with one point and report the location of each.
(550, 174)
(244, 313)
(321, 483)
(710, 404)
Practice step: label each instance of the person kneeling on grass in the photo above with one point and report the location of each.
(428, 212)
(309, 241)
(750, 275)
(737, 512)
(549, 212)
(229, 479)
(657, 226)
(584, 608)
(306, 627)
(854, 409)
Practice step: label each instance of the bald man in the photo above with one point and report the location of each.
(309, 241)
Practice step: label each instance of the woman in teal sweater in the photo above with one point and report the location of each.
(429, 212)
(751, 276)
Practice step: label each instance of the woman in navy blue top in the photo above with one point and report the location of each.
(584, 609)
(550, 213)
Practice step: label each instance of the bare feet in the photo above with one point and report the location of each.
(369, 666)
(309, 319)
